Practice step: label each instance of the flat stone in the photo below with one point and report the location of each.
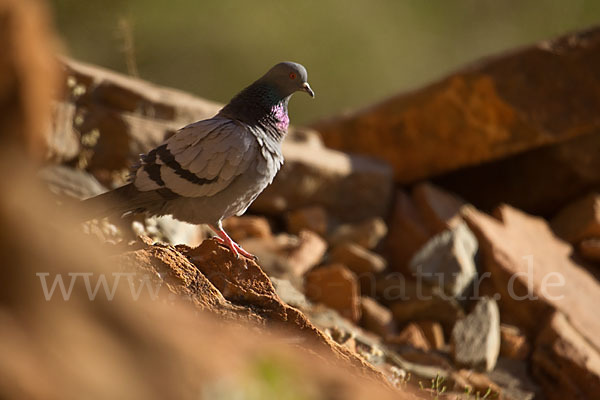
(487, 111)
(411, 335)
(513, 343)
(564, 362)
(434, 333)
(476, 338)
(376, 317)
(533, 272)
(336, 287)
(448, 260)
(407, 232)
(361, 261)
(440, 209)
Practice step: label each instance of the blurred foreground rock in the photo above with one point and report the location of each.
(567, 365)
(498, 107)
(151, 331)
(28, 76)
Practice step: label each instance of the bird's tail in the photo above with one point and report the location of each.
(114, 203)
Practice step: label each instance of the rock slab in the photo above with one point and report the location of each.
(448, 260)
(476, 338)
(487, 111)
(336, 287)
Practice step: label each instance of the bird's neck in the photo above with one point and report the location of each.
(260, 104)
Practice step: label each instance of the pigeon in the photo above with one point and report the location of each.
(215, 168)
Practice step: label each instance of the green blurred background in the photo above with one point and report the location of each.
(356, 52)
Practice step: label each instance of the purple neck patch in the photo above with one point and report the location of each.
(280, 114)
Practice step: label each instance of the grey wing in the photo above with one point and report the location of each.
(200, 160)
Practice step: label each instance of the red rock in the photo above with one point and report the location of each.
(376, 317)
(590, 249)
(564, 362)
(308, 253)
(336, 287)
(513, 343)
(440, 209)
(411, 335)
(433, 332)
(524, 248)
(579, 220)
(487, 111)
(309, 218)
(408, 233)
(247, 226)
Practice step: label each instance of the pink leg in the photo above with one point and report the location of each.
(235, 248)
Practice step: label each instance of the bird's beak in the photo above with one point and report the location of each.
(307, 89)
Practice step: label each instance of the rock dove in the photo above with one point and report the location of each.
(214, 168)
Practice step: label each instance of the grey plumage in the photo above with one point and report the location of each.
(215, 168)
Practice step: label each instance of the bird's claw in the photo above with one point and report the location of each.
(236, 249)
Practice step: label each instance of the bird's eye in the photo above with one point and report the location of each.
(292, 75)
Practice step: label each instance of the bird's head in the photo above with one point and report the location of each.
(288, 77)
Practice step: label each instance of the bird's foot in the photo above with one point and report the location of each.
(235, 248)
